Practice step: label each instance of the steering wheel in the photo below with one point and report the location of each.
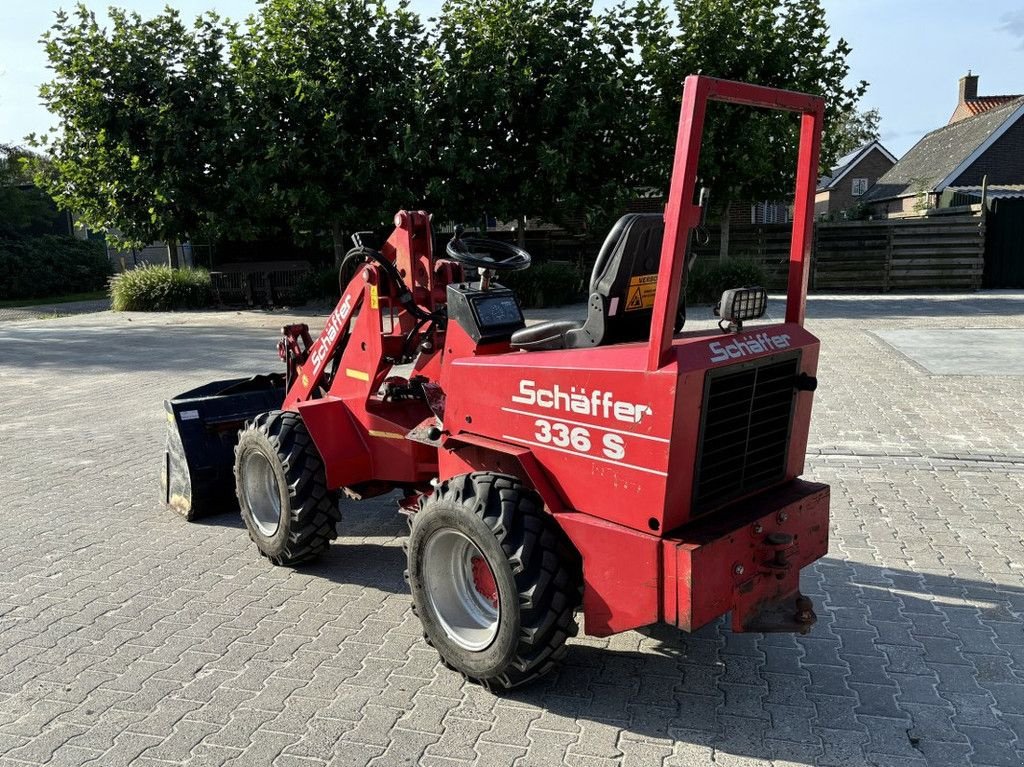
(481, 253)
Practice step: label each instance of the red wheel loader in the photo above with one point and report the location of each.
(617, 463)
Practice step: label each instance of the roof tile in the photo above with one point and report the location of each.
(938, 153)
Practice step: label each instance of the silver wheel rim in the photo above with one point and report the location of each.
(461, 588)
(262, 493)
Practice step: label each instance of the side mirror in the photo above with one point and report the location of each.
(741, 304)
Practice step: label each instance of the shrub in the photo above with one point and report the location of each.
(707, 280)
(160, 289)
(39, 267)
(318, 285)
(550, 283)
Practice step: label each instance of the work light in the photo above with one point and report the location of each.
(741, 304)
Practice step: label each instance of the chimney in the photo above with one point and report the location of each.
(968, 87)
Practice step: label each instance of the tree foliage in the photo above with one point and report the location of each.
(50, 265)
(747, 154)
(526, 103)
(853, 129)
(331, 120)
(145, 113)
(24, 208)
(327, 115)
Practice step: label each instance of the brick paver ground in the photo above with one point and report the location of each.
(52, 311)
(130, 637)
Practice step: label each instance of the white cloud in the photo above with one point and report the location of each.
(1013, 24)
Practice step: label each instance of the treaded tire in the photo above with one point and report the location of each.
(308, 510)
(537, 572)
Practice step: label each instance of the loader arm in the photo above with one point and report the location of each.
(329, 345)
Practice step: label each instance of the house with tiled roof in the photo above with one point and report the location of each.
(986, 147)
(850, 177)
(971, 104)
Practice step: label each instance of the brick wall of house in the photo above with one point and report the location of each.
(739, 213)
(871, 167)
(1003, 162)
(908, 204)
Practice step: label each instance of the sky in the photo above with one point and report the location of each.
(911, 52)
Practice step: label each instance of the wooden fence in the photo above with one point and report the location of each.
(936, 252)
(941, 252)
(265, 283)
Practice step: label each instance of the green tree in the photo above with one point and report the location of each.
(23, 206)
(526, 102)
(329, 131)
(853, 129)
(746, 154)
(145, 113)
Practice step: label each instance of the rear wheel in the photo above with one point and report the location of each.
(282, 489)
(493, 579)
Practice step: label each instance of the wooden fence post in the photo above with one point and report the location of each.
(887, 269)
(979, 281)
(812, 282)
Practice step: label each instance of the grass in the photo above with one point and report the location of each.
(95, 295)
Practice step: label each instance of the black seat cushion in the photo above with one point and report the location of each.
(546, 335)
(621, 291)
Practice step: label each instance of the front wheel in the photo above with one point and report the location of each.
(282, 490)
(494, 580)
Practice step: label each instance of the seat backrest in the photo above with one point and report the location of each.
(625, 275)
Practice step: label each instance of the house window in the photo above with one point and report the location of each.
(860, 185)
(769, 213)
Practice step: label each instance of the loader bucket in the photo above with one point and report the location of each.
(202, 429)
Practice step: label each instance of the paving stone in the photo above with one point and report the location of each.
(642, 754)
(174, 643)
(180, 743)
(889, 737)
(376, 725)
(404, 747)
(828, 680)
(842, 748)
(499, 753)
(428, 713)
(322, 739)
(599, 739)
(547, 748)
(971, 709)
(836, 713)
(917, 689)
(126, 750)
(991, 746)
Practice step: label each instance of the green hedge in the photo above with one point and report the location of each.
(160, 289)
(39, 267)
(318, 285)
(550, 283)
(707, 280)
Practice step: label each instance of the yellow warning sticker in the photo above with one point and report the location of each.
(641, 292)
(386, 434)
(374, 299)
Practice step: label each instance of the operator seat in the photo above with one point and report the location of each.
(621, 291)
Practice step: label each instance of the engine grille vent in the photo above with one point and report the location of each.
(745, 425)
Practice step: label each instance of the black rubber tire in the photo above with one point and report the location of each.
(537, 571)
(309, 511)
